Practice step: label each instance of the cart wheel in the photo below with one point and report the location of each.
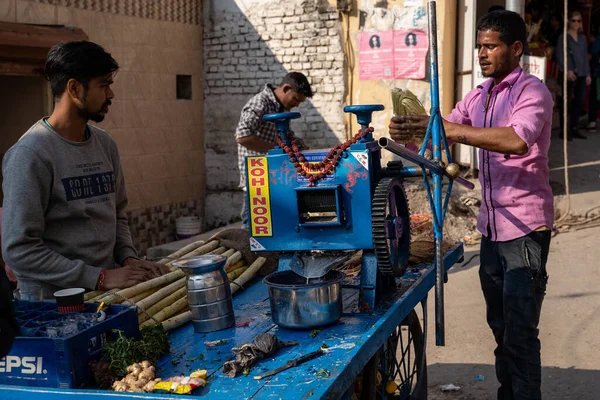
(404, 370)
(399, 370)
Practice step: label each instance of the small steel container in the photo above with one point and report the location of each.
(296, 304)
(208, 292)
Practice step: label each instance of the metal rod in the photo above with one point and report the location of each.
(436, 139)
(403, 152)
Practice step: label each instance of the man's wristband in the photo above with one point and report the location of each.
(100, 285)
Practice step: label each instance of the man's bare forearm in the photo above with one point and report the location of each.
(501, 140)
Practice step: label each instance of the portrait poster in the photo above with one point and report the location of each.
(375, 55)
(410, 52)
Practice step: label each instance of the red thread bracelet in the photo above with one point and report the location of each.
(100, 285)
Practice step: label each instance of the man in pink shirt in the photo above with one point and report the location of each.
(509, 119)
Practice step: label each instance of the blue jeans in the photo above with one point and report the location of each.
(244, 213)
(513, 279)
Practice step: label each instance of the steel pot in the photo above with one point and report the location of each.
(298, 305)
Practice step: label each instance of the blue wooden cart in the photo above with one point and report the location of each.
(387, 341)
(379, 352)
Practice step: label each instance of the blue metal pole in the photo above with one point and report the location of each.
(436, 139)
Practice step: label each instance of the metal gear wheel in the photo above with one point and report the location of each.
(391, 227)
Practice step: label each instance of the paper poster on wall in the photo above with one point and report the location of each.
(375, 55)
(410, 51)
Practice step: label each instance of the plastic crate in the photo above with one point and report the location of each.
(38, 360)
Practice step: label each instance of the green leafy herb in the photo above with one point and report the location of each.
(123, 351)
(246, 371)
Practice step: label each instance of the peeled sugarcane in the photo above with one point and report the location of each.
(167, 312)
(151, 284)
(207, 248)
(228, 253)
(236, 273)
(237, 256)
(219, 250)
(172, 298)
(141, 296)
(108, 297)
(90, 295)
(177, 321)
(235, 266)
(159, 295)
(248, 274)
(184, 250)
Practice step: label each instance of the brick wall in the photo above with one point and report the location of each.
(246, 47)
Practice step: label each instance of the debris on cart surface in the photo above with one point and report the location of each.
(248, 354)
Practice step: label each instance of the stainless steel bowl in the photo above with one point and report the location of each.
(298, 305)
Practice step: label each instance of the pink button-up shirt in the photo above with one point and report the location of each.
(516, 193)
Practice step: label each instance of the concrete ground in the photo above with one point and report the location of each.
(569, 327)
(570, 321)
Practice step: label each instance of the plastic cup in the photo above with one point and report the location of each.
(69, 300)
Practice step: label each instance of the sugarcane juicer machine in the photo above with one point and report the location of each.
(314, 203)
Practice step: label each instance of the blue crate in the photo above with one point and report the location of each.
(38, 360)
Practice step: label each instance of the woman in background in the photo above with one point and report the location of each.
(578, 74)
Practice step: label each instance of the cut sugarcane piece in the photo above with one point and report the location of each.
(151, 284)
(167, 312)
(248, 274)
(149, 301)
(172, 298)
(184, 250)
(177, 321)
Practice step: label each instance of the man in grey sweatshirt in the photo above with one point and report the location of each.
(64, 212)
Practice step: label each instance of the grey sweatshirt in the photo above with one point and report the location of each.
(64, 210)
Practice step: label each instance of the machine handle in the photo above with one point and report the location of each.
(402, 151)
(363, 112)
(282, 122)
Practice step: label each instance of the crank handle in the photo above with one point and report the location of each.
(451, 171)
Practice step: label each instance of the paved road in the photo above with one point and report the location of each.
(569, 328)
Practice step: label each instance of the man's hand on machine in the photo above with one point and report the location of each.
(407, 127)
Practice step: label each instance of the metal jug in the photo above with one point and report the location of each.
(208, 291)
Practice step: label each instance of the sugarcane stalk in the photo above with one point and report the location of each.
(167, 312)
(228, 253)
(236, 273)
(177, 321)
(161, 294)
(141, 296)
(90, 295)
(184, 250)
(151, 284)
(248, 274)
(235, 266)
(172, 298)
(219, 250)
